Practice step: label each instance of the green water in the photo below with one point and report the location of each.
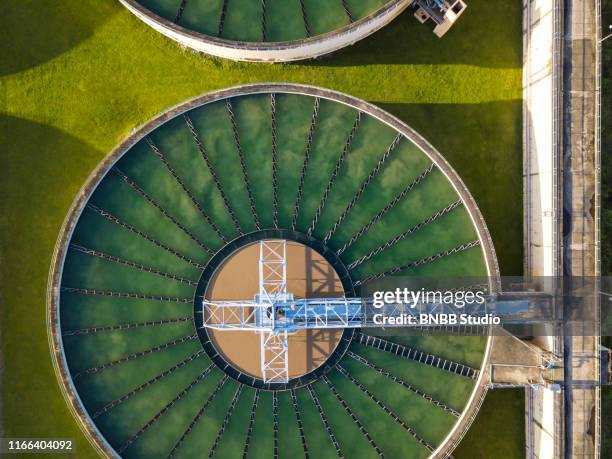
(164, 433)
(294, 114)
(94, 349)
(334, 124)
(288, 432)
(201, 16)
(361, 8)
(467, 350)
(126, 419)
(94, 230)
(430, 422)
(369, 143)
(241, 22)
(262, 442)
(325, 15)
(116, 197)
(163, 8)
(401, 168)
(185, 231)
(96, 273)
(352, 442)
(216, 134)
(103, 387)
(179, 147)
(142, 166)
(253, 116)
(244, 18)
(79, 311)
(284, 21)
(232, 442)
(314, 430)
(449, 388)
(389, 435)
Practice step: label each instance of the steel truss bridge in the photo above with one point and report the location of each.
(275, 313)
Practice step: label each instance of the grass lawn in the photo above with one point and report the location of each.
(76, 77)
(502, 417)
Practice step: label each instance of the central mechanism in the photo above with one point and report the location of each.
(274, 345)
(275, 314)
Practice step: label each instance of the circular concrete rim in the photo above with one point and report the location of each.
(60, 364)
(279, 51)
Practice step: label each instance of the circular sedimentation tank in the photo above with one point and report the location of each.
(167, 217)
(265, 30)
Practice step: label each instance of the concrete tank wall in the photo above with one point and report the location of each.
(274, 51)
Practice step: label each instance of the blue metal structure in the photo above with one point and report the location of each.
(275, 314)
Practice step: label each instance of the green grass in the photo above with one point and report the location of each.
(76, 77)
(501, 417)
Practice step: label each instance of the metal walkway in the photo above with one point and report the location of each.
(417, 355)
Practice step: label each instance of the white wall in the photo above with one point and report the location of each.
(541, 208)
(540, 137)
(287, 51)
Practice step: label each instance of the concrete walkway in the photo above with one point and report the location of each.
(580, 235)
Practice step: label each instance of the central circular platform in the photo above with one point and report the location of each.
(309, 275)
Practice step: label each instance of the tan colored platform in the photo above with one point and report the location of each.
(308, 275)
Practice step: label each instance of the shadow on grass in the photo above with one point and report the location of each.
(42, 170)
(483, 143)
(488, 34)
(36, 31)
